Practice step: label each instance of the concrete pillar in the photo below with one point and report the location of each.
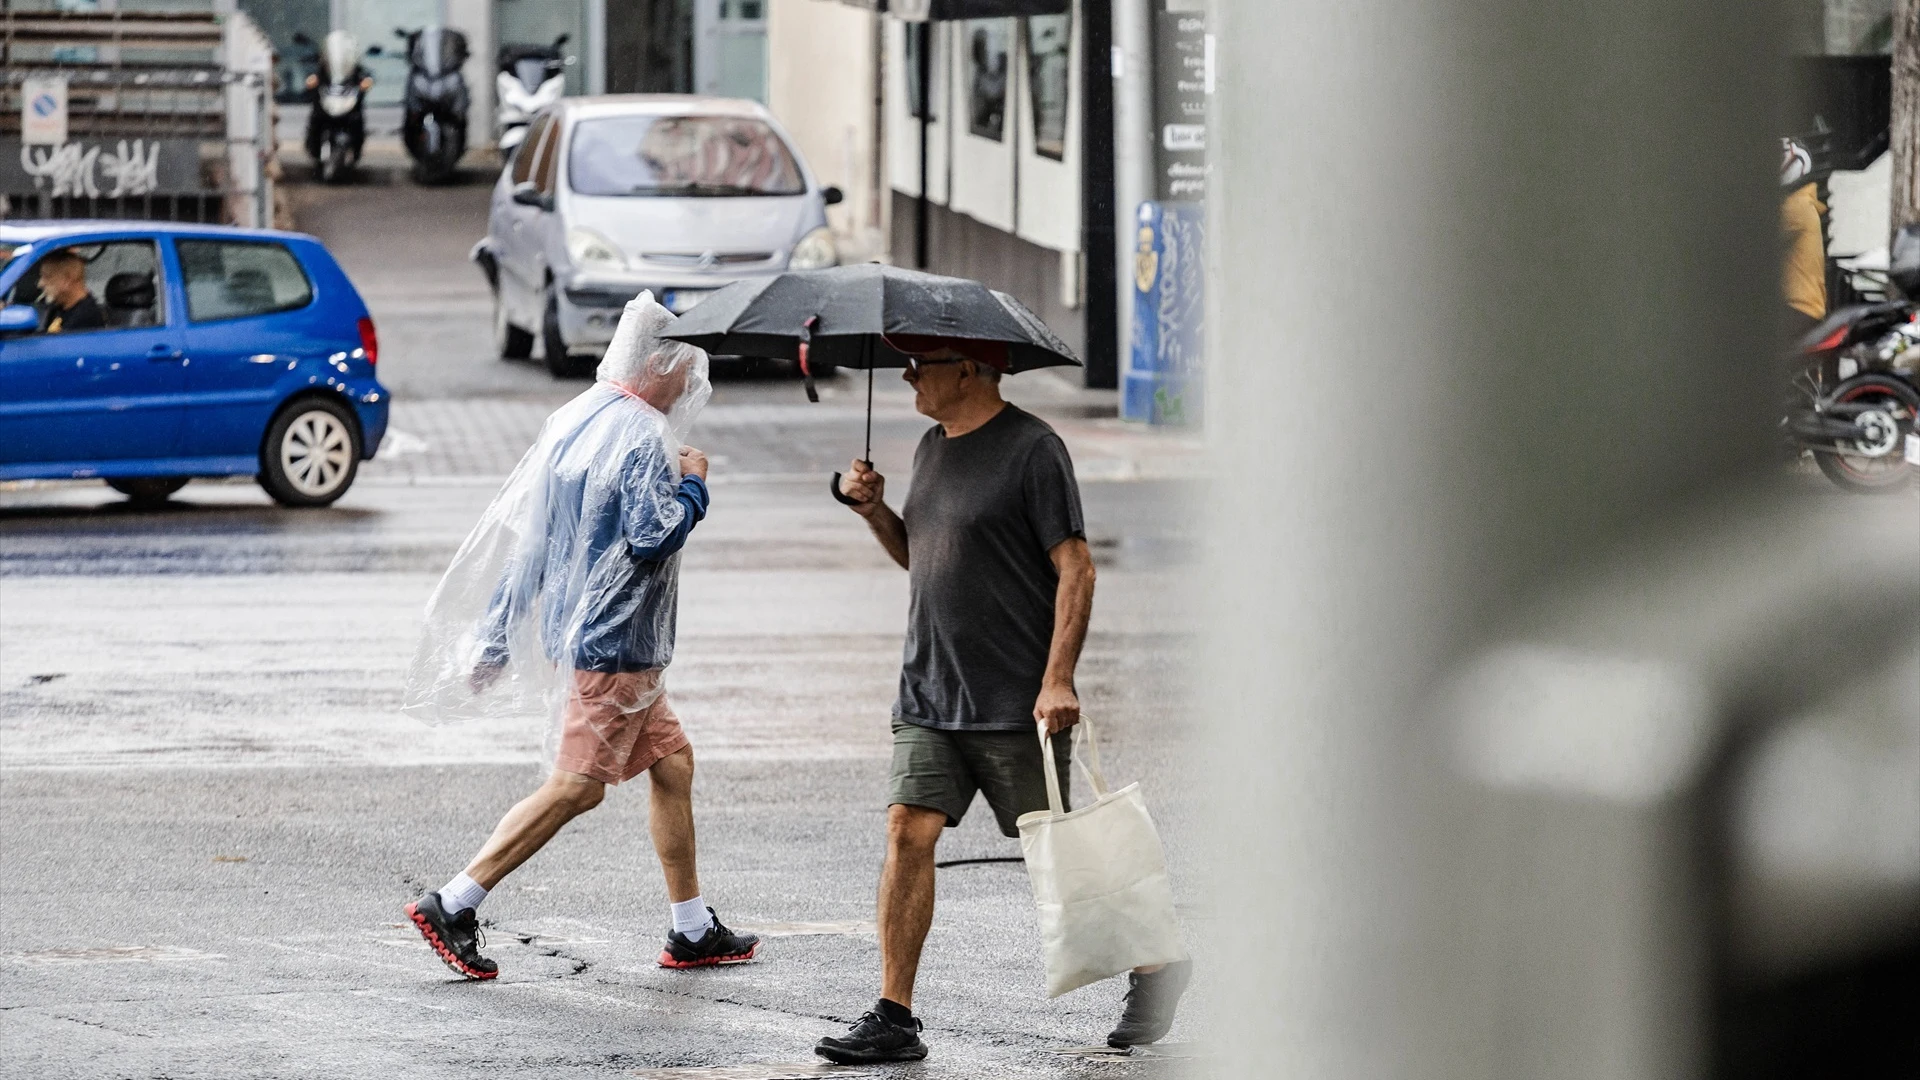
(475, 19)
(1491, 291)
(1132, 144)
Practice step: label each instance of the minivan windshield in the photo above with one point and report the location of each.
(681, 156)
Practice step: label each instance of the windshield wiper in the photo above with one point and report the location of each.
(694, 189)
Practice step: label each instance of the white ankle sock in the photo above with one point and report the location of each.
(690, 917)
(460, 894)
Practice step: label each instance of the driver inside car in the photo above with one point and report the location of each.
(63, 285)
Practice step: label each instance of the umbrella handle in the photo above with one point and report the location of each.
(841, 496)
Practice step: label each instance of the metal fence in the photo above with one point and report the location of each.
(167, 116)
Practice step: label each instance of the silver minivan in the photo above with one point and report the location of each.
(610, 195)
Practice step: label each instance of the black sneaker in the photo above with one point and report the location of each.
(873, 1040)
(455, 938)
(1147, 1013)
(718, 945)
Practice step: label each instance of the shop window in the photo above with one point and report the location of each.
(1048, 37)
(987, 77)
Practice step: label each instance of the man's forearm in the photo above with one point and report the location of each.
(1072, 608)
(890, 531)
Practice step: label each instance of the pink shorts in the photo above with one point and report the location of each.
(608, 734)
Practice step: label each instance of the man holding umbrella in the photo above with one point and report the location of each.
(1002, 586)
(1002, 583)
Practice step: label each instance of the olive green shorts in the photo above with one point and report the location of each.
(940, 770)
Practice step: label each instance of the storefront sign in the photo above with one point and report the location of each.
(1181, 82)
(43, 111)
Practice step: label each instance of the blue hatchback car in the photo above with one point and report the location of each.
(196, 350)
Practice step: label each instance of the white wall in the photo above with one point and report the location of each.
(820, 59)
(1049, 191)
(1004, 184)
(903, 131)
(983, 169)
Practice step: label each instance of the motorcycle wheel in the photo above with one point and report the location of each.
(1878, 465)
(509, 341)
(329, 164)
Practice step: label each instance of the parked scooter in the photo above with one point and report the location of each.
(531, 78)
(336, 94)
(436, 101)
(1858, 391)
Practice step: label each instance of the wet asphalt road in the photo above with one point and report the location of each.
(212, 811)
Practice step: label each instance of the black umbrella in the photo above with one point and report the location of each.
(870, 316)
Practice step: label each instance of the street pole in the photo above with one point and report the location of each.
(1132, 149)
(1906, 114)
(922, 206)
(1097, 196)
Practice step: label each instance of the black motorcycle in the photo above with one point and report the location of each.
(436, 101)
(336, 96)
(1857, 400)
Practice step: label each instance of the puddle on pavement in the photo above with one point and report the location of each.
(115, 954)
(811, 929)
(746, 1072)
(1104, 1052)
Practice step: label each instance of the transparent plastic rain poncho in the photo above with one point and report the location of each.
(560, 576)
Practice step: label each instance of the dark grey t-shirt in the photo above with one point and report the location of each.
(983, 512)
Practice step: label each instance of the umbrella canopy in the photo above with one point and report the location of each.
(871, 315)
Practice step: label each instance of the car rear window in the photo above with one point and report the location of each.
(681, 156)
(232, 279)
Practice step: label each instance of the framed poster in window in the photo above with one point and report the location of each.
(987, 41)
(1048, 37)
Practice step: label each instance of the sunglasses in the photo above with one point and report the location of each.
(915, 363)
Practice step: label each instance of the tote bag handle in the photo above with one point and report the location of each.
(1089, 764)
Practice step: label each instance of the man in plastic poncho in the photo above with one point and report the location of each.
(565, 595)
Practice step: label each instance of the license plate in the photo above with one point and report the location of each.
(679, 300)
(1913, 448)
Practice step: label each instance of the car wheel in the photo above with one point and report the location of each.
(553, 348)
(311, 453)
(146, 490)
(509, 341)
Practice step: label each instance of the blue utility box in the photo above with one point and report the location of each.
(1162, 384)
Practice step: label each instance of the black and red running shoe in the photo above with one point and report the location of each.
(455, 938)
(718, 945)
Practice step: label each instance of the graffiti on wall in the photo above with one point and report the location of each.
(75, 169)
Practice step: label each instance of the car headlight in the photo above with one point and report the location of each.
(591, 251)
(814, 251)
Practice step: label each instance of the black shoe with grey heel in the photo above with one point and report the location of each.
(1151, 1003)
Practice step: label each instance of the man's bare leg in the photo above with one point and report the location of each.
(446, 917)
(906, 896)
(532, 822)
(670, 799)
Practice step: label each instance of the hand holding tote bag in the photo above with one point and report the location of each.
(1099, 880)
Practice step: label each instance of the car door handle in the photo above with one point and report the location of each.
(163, 352)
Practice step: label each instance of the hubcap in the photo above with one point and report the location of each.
(315, 453)
(1880, 434)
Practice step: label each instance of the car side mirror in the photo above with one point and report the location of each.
(19, 319)
(526, 194)
(832, 195)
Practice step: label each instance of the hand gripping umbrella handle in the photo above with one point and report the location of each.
(841, 496)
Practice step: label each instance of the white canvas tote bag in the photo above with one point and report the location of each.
(1099, 880)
